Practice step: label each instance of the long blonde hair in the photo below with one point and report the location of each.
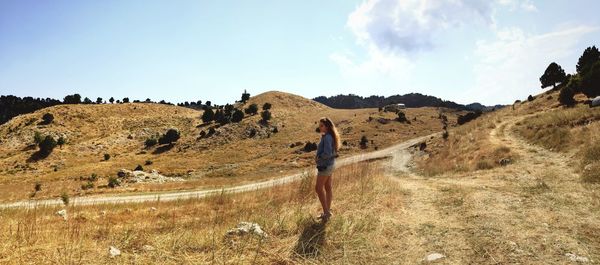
(333, 131)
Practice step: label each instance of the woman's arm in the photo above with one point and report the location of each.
(327, 148)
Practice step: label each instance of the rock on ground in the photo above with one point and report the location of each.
(113, 252)
(434, 256)
(576, 258)
(139, 176)
(62, 213)
(247, 228)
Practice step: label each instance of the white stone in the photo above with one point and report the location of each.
(576, 258)
(434, 256)
(62, 213)
(113, 251)
(153, 209)
(247, 228)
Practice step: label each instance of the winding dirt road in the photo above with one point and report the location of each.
(398, 151)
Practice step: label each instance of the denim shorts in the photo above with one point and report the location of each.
(328, 171)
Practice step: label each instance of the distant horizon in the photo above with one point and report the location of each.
(155, 100)
(491, 52)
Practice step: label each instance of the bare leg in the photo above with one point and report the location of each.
(328, 192)
(319, 188)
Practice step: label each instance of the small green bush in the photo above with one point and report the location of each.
(170, 137)
(113, 182)
(38, 187)
(88, 185)
(65, 198)
(150, 142)
(139, 168)
(106, 157)
(48, 118)
(148, 162)
(47, 145)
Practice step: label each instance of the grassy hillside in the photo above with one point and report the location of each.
(232, 155)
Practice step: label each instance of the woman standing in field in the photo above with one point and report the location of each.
(325, 160)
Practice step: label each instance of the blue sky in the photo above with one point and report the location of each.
(489, 51)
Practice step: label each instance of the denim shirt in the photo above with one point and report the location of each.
(325, 151)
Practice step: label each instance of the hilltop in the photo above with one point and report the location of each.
(235, 153)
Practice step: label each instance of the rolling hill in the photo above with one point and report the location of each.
(235, 153)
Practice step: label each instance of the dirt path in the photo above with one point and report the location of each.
(195, 194)
(533, 211)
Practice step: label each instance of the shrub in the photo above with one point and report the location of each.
(37, 187)
(106, 157)
(590, 56)
(364, 141)
(148, 162)
(237, 116)
(61, 141)
(93, 177)
(171, 136)
(445, 134)
(150, 142)
(530, 98)
(38, 137)
(65, 198)
(113, 182)
(99, 100)
(309, 147)
(266, 116)
(401, 117)
(111, 100)
(462, 119)
(252, 109)
(566, 96)
(208, 115)
(48, 118)
(47, 145)
(267, 106)
(88, 185)
(345, 143)
(125, 100)
(139, 168)
(211, 131)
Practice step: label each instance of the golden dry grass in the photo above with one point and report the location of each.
(225, 159)
(363, 229)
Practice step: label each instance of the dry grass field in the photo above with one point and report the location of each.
(231, 156)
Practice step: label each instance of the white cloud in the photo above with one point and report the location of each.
(408, 25)
(508, 67)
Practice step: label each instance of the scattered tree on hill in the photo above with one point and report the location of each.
(252, 109)
(530, 98)
(462, 119)
(590, 82)
(148, 100)
(590, 56)
(208, 115)
(221, 118)
(11, 106)
(37, 187)
(309, 147)
(170, 137)
(47, 145)
(554, 74)
(106, 157)
(118, 101)
(150, 142)
(48, 118)
(111, 100)
(266, 116)
(125, 100)
(565, 97)
(237, 116)
(99, 100)
(245, 96)
(364, 142)
(267, 106)
(61, 141)
(208, 103)
(113, 182)
(87, 100)
(72, 99)
(139, 168)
